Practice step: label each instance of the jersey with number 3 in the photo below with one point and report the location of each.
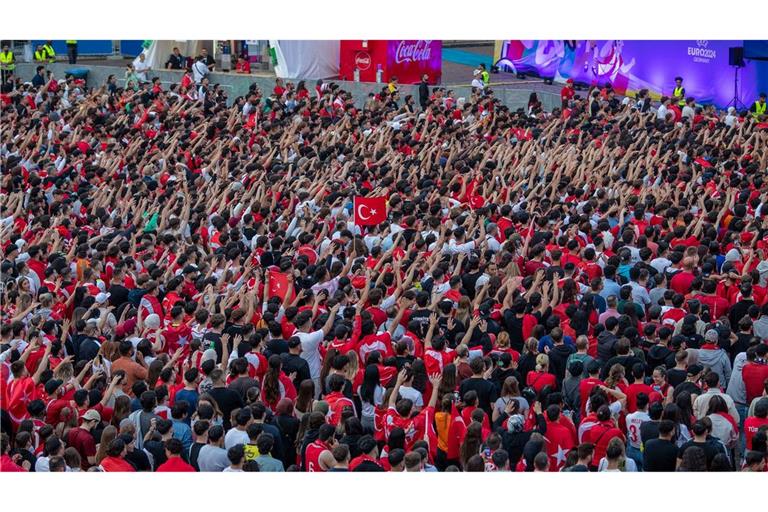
(634, 420)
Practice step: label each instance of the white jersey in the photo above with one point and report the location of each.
(634, 420)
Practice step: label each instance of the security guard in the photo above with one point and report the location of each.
(48, 47)
(484, 74)
(7, 63)
(679, 92)
(72, 50)
(41, 56)
(758, 108)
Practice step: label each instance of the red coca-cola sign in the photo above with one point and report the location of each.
(409, 59)
(362, 61)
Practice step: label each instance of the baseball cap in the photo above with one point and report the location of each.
(294, 342)
(52, 385)
(102, 297)
(125, 327)
(695, 369)
(91, 415)
(593, 367)
(711, 335)
(152, 321)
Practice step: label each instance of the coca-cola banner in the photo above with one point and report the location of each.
(409, 59)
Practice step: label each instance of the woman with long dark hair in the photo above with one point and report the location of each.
(371, 395)
(472, 442)
(305, 398)
(276, 385)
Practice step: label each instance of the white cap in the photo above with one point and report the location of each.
(476, 72)
(152, 321)
(102, 297)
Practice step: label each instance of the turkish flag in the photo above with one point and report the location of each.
(370, 211)
(559, 442)
(278, 284)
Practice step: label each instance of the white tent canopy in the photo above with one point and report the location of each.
(295, 59)
(306, 59)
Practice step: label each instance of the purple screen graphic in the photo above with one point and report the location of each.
(635, 65)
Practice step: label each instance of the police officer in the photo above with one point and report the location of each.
(7, 63)
(679, 92)
(72, 50)
(758, 108)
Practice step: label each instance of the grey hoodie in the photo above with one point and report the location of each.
(717, 360)
(736, 388)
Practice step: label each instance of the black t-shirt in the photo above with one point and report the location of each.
(194, 451)
(675, 377)
(157, 449)
(295, 363)
(88, 349)
(276, 346)
(213, 340)
(486, 392)
(687, 386)
(139, 460)
(649, 430)
(514, 326)
(368, 466)
(468, 281)
(659, 455)
(118, 295)
(710, 449)
(228, 400)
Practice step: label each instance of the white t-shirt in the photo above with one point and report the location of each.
(235, 437)
(634, 420)
(413, 395)
(141, 69)
(310, 341)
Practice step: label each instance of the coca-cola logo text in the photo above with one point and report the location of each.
(413, 51)
(362, 60)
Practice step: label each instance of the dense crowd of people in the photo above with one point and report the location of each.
(187, 285)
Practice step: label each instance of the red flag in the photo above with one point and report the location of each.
(370, 211)
(278, 284)
(559, 443)
(456, 432)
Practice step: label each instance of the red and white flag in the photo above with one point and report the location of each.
(370, 211)
(278, 284)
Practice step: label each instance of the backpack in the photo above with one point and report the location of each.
(135, 296)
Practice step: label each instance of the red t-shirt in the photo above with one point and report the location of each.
(538, 380)
(83, 442)
(632, 391)
(115, 464)
(754, 375)
(175, 465)
(681, 282)
(751, 426)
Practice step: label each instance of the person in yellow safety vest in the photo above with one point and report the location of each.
(72, 50)
(679, 92)
(484, 74)
(41, 56)
(7, 63)
(758, 108)
(48, 47)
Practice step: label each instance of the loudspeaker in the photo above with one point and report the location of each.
(736, 56)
